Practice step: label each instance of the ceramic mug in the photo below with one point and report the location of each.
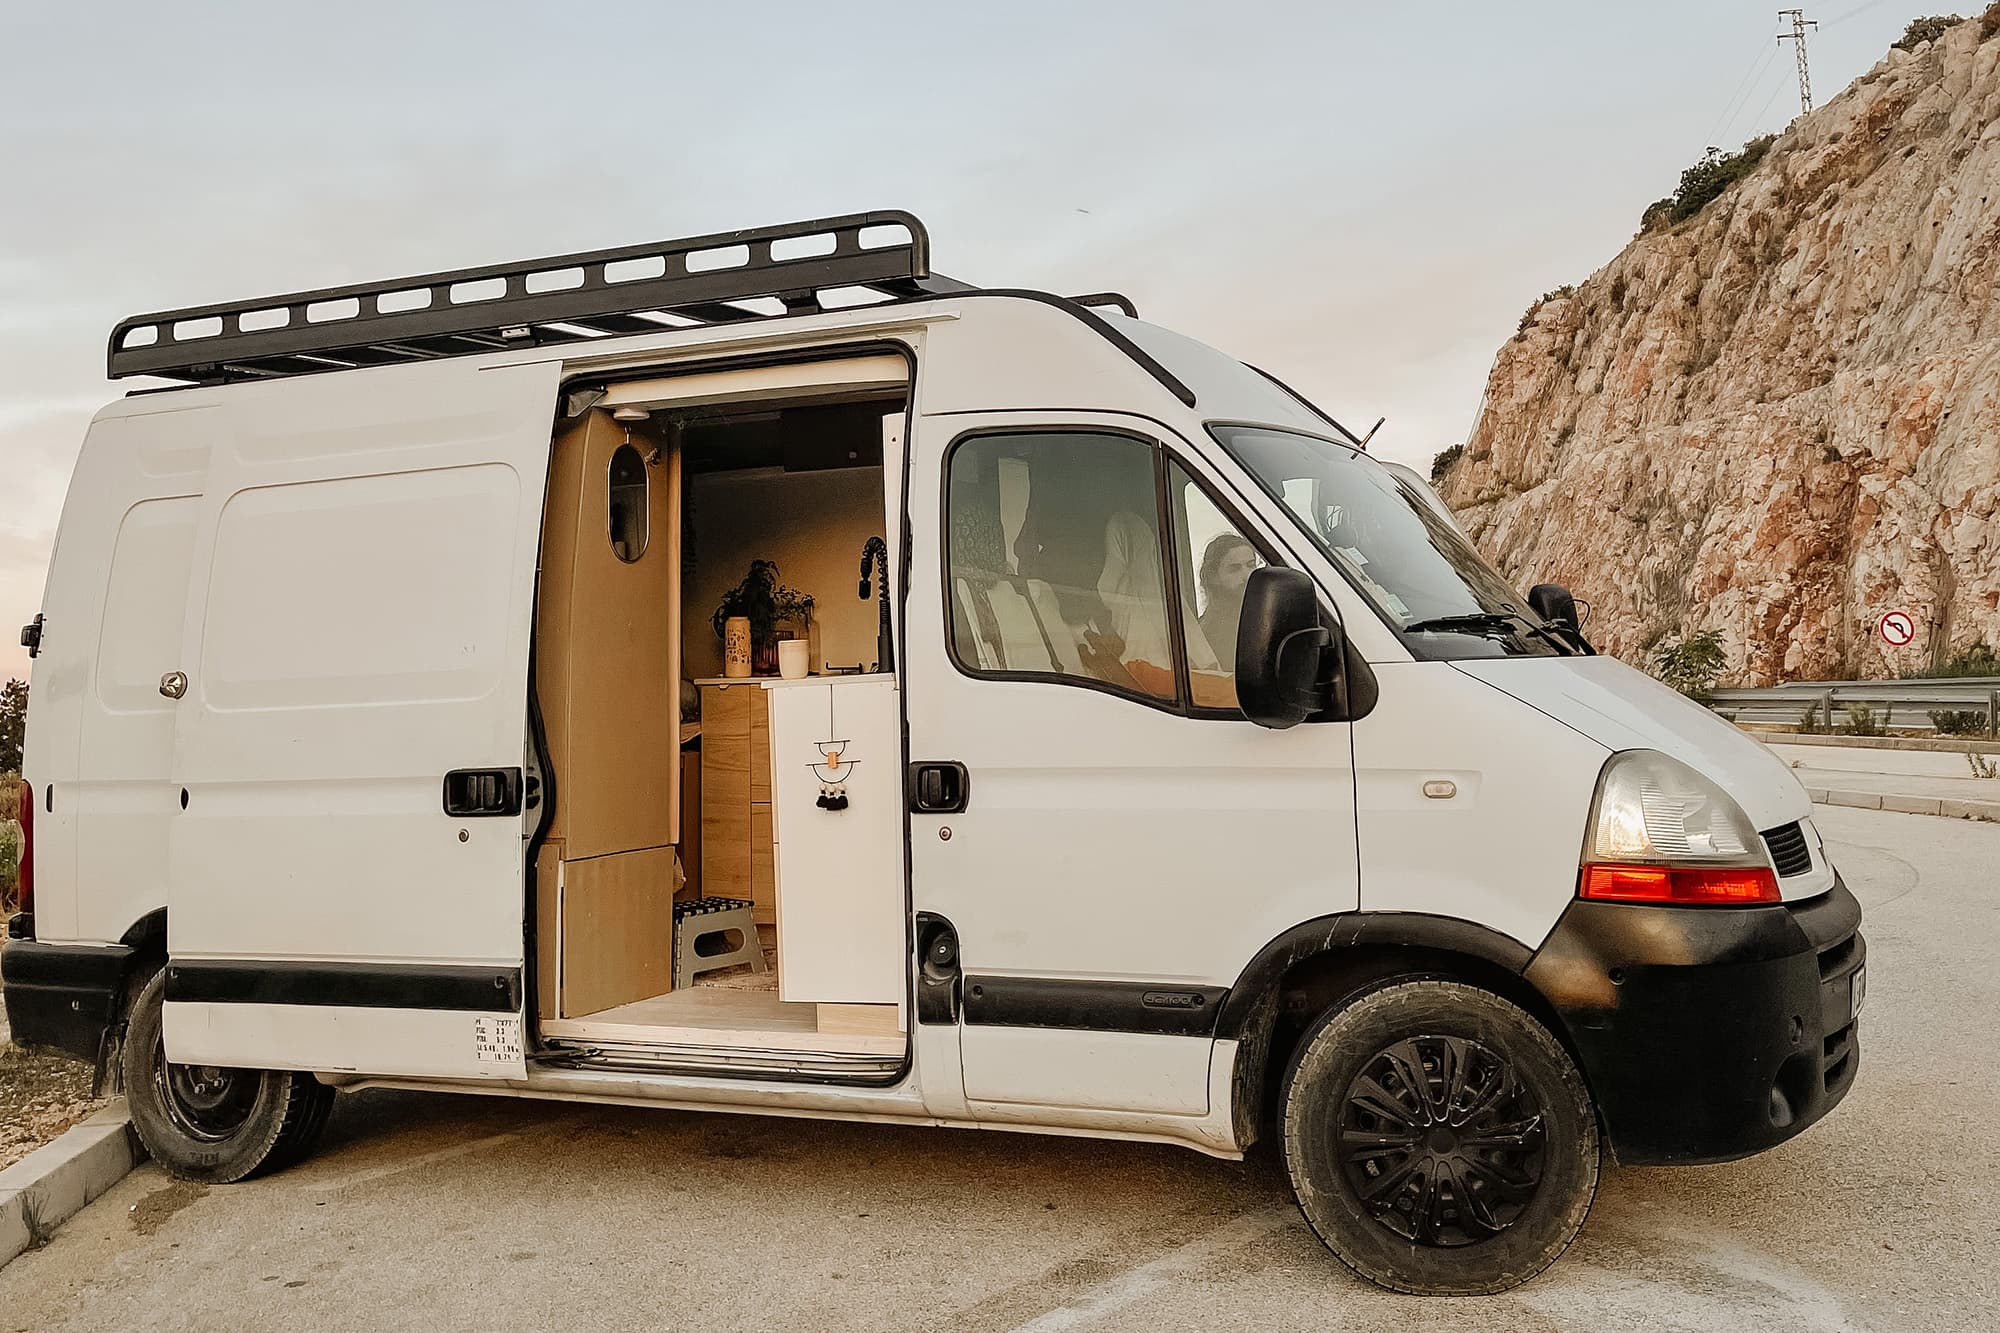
(794, 658)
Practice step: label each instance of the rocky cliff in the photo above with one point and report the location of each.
(1780, 417)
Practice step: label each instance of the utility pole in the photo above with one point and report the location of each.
(1798, 39)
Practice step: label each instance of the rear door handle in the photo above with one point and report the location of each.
(481, 793)
(939, 787)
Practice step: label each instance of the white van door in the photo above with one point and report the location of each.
(1109, 838)
(346, 873)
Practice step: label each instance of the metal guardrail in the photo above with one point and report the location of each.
(1893, 705)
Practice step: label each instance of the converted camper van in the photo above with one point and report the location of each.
(756, 673)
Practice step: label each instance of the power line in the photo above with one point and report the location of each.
(1858, 9)
(1741, 97)
(1798, 38)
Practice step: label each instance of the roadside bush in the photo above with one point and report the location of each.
(1861, 721)
(1975, 659)
(1691, 663)
(1704, 182)
(1958, 721)
(10, 863)
(1809, 720)
(1444, 461)
(1929, 30)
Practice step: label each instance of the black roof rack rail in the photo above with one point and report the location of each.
(1115, 300)
(764, 272)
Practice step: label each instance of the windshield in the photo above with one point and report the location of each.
(1394, 544)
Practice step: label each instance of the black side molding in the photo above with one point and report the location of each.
(1161, 1008)
(480, 990)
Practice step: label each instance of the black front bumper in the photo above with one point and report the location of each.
(1707, 1033)
(63, 995)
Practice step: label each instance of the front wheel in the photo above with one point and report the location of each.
(207, 1122)
(1439, 1140)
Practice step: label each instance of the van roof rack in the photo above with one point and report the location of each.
(760, 273)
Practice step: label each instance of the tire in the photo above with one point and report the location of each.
(1439, 1140)
(210, 1124)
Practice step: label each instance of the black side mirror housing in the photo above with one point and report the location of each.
(1553, 603)
(1285, 654)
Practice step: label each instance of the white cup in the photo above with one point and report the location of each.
(794, 658)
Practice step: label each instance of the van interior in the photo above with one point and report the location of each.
(718, 882)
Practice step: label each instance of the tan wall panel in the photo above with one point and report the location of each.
(608, 650)
(617, 930)
(813, 524)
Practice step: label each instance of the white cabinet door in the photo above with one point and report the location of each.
(840, 871)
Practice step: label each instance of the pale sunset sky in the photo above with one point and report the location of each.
(1361, 198)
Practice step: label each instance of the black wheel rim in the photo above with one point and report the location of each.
(205, 1102)
(1440, 1141)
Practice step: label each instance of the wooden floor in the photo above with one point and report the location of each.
(710, 1016)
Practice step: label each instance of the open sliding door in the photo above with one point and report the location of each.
(346, 872)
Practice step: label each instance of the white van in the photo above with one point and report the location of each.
(1179, 774)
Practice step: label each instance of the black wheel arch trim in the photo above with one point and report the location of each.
(1243, 1009)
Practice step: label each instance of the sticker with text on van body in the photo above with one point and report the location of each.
(496, 1039)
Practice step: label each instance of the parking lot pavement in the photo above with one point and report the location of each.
(440, 1213)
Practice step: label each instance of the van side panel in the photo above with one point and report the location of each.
(358, 628)
(100, 733)
(1502, 850)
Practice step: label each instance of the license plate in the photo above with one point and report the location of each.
(1857, 991)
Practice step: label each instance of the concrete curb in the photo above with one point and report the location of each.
(48, 1186)
(1945, 806)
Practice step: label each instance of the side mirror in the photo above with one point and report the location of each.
(1553, 603)
(1281, 647)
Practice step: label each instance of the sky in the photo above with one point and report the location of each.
(1360, 198)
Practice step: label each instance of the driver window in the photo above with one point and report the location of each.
(1216, 561)
(1054, 561)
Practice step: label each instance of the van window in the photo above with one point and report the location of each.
(1054, 562)
(1215, 560)
(627, 480)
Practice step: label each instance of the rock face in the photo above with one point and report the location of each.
(1781, 417)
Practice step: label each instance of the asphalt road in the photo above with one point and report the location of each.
(438, 1213)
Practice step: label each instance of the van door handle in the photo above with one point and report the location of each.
(939, 787)
(480, 793)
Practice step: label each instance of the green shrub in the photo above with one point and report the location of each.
(1958, 721)
(1705, 181)
(1444, 461)
(1975, 659)
(1809, 720)
(1861, 721)
(1929, 30)
(10, 863)
(1691, 663)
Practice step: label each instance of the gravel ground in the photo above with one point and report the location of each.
(40, 1097)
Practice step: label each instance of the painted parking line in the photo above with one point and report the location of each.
(1135, 1284)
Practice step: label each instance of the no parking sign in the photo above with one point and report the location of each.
(1896, 628)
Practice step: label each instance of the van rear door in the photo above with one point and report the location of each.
(346, 873)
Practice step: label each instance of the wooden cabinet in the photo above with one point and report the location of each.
(736, 830)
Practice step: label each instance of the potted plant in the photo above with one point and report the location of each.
(765, 603)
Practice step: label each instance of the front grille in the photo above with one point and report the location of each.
(1789, 851)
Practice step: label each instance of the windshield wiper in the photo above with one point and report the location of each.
(1491, 623)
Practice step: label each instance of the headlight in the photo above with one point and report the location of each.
(1662, 833)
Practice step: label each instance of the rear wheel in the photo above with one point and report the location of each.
(1439, 1139)
(209, 1122)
